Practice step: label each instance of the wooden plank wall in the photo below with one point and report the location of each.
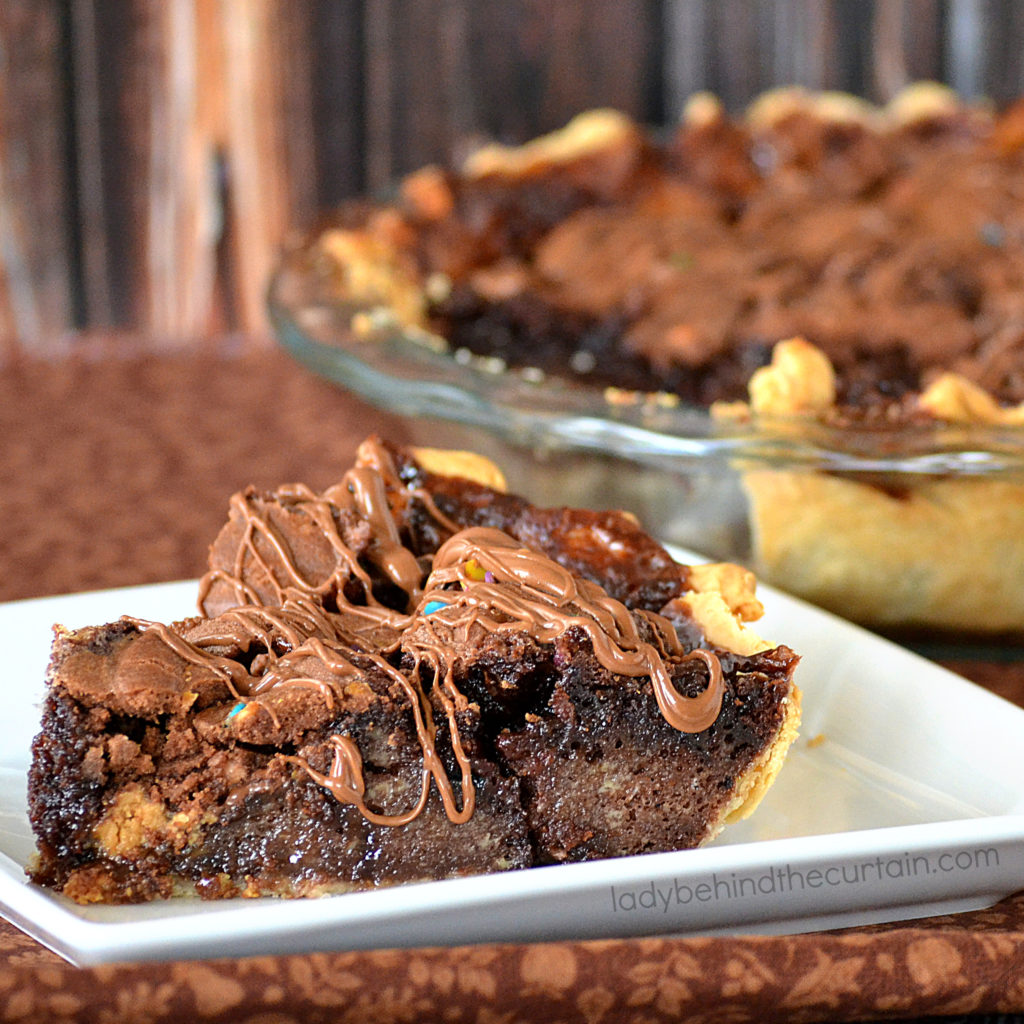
(154, 154)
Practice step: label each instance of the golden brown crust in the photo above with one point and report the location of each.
(720, 625)
(752, 786)
(776, 105)
(593, 131)
(736, 585)
(921, 101)
(894, 558)
(469, 465)
(721, 599)
(917, 103)
(954, 399)
(370, 272)
(927, 552)
(799, 380)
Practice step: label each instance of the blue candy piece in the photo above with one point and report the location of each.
(434, 606)
(234, 711)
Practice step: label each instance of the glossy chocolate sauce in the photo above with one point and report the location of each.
(536, 595)
(480, 578)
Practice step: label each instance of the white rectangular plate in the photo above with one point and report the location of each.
(903, 797)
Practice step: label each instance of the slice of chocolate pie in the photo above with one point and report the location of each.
(411, 676)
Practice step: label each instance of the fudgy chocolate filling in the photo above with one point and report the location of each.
(531, 331)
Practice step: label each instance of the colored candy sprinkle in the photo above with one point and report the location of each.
(475, 571)
(234, 711)
(434, 606)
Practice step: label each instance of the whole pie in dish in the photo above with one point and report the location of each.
(891, 239)
(412, 675)
(817, 260)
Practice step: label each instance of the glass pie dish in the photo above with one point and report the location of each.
(915, 529)
(619, 321)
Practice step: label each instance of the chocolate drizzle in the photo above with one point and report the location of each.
(480, 578)
(363, 491)
(345, 779)
(231, 672)
(535, 594)
(366, 492)
(334, 649)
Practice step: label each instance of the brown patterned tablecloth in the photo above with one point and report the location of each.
(115, 469)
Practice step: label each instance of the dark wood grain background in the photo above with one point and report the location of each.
(154, 154)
